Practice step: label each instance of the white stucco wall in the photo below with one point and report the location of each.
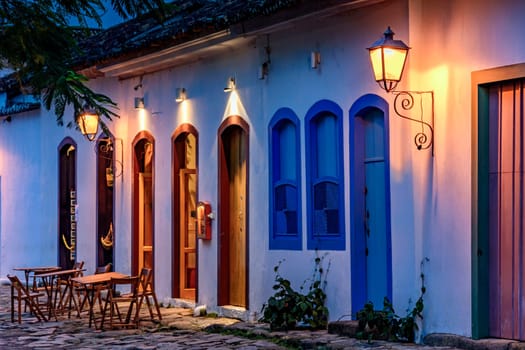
(450, 40)
(343, 76)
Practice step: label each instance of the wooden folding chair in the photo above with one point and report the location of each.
(146, 291)
(116, 299)
(23, 295)
(67, 289)
(100, 288)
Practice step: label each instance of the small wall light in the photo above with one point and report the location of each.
(180, 94)
(315, 59)
(388, 58)
(264, 68)
(230, 86)
(88, 123)
(263, 71)
(139, 103)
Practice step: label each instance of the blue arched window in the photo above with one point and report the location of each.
(285, 181)
(324, 177)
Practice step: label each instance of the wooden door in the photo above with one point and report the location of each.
(506, 211)
(188, 230)
(67, 205)
(237, 234)
(185, 186)
(233, 274)
(145, 247)
(371, 247)
(143, 203)
(105, 236)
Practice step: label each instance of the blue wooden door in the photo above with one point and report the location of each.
(371, 255)
(506, 211)
(375, 235)
(375, 210)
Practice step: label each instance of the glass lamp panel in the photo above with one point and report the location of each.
(88, 124)
(376, 58)
(394, 63)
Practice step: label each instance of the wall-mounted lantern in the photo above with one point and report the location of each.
(388, 58)
(88, 123)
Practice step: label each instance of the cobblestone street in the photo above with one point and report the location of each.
(178, 330)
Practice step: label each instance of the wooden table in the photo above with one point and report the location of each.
(35, 269)
(48, 279)
(90, 282)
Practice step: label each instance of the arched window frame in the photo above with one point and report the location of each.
(333, 240)
(292, 240)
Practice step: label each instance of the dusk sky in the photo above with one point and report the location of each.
(109, 18)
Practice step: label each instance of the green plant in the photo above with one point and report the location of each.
(376, 324)
(288, 309)
(386, 324)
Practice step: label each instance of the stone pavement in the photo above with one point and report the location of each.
(179, 329)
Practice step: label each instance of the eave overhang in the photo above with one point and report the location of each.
(237, 35)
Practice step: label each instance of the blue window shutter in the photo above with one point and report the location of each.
(326, 202)
(284, 181)
(285, 211)
(324, 177)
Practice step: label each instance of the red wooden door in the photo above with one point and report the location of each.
(506, 211)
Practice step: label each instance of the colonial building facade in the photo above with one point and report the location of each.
(252, 141)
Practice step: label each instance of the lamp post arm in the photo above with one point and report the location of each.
(404, 102)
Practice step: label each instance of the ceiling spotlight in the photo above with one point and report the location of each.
(139, 85)
(230, 85)
(180, 94)
(139, 103)
(315, 59)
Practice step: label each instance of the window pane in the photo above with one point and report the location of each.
(326, 146)
(285, 214)
(287, 152)
(326, 212)
(374, 140)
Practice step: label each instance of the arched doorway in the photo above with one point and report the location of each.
(67, 203)
(105, 200)
(370, 196)
(185, 177)
(233, 212)
(143, 202)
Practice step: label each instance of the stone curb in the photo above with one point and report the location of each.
(461, 342)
